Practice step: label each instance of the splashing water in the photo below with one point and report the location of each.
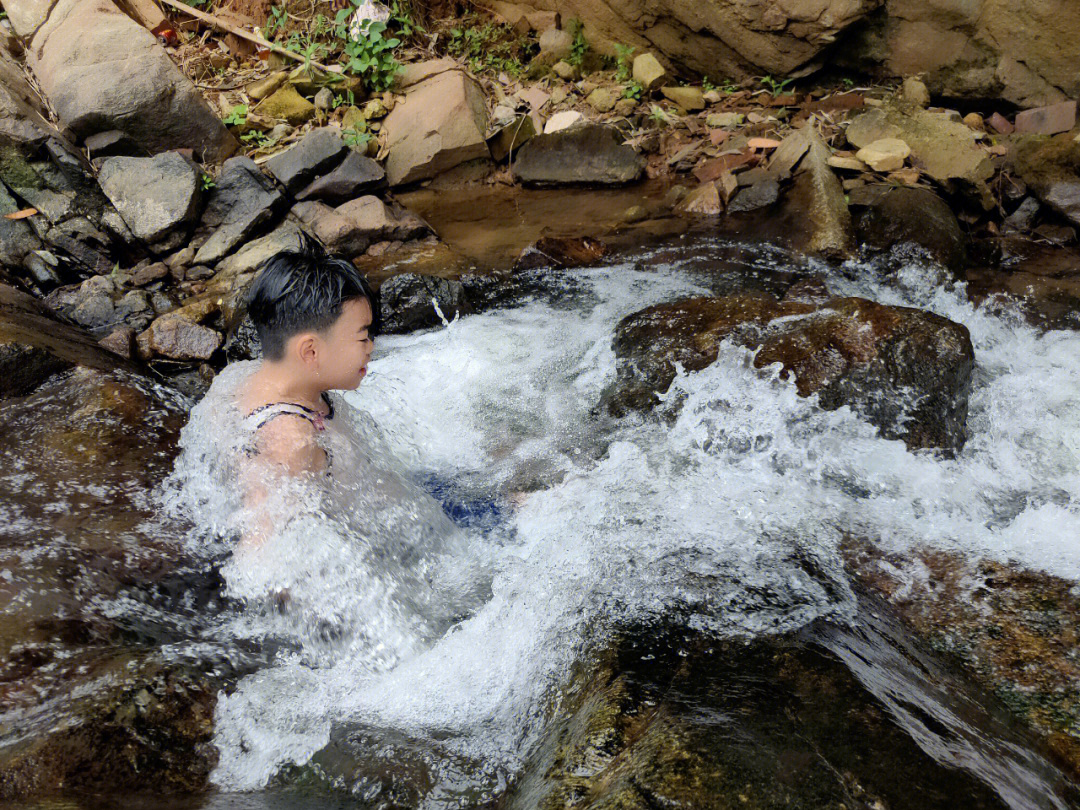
(730, 518)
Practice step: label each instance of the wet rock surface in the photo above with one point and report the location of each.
(905, 370)
(98, 707)
(582, 154)
(34, 345)
(243, 200)
(894, 216)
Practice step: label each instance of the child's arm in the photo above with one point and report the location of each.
(285, 445)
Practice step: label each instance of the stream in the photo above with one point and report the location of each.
(424, 660)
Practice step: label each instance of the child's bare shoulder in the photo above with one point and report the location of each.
(290, 440)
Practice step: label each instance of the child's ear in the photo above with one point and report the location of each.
(307, 347)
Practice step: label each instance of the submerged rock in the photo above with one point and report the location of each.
(409, 301)
(904, 370)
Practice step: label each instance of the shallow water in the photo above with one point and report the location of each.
(727, 522)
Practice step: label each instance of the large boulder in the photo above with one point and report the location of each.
(34, 345)
(1024, 51)
(736, 38)
(905, 370)
(441, 124)
(816, 199)
(585, 154)
(156, 196)
(101, 70)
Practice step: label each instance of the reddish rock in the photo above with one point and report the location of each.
(1047, 120)
(1001, 124)
(121, 341)
(149, 273)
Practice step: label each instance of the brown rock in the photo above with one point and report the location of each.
(703, 200)
(120, 341)
(905, 370)
(177, 338)
(550, 251)
(1001, 124)
(148, 273)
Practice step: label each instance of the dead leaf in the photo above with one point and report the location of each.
(718, 136)
(23, 214)
(763, 143)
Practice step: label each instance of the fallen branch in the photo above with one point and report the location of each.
(228, 28)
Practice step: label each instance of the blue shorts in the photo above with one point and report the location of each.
(467, 509)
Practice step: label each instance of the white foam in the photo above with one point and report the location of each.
(731, 517)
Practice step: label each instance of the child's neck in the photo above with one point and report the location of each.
(279, 382)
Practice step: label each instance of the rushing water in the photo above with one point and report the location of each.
(730, 518)
(455, 637)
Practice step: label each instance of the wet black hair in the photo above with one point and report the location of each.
(304, 289)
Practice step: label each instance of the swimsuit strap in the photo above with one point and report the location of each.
(266, 413)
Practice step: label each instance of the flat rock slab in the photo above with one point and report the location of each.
(357, 175)
(587, 154)
(34, 345)
(156, 195)
(317, 153)
(243, 200)
(440, 124)
(1047, 120)
(940, 146)
(101, 71)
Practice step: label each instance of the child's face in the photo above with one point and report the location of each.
(347, 347)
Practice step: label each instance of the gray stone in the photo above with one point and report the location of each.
(155, 195)
(511, 138)
(584, 154)
(94, 312)
(324, 99)
(357, 175)
(101, 70)
(756, 196)
(180, 339)
(556, 42)
(112, 143)
(17, 240)
(41, 265)
(1024, 216)
(316, 153)
(243, 200)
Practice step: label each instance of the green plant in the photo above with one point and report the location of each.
(348, 98)
(401, 17)
(237, 116)
(658, 116)
(775, 86)
(257, 138)
(580, 46)
(370, 53)
(206, 182)
(707, 85)
(848, 83)
(356, 139)
(624, 69)
(633, 90)
(275, 22)
(490, 47)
